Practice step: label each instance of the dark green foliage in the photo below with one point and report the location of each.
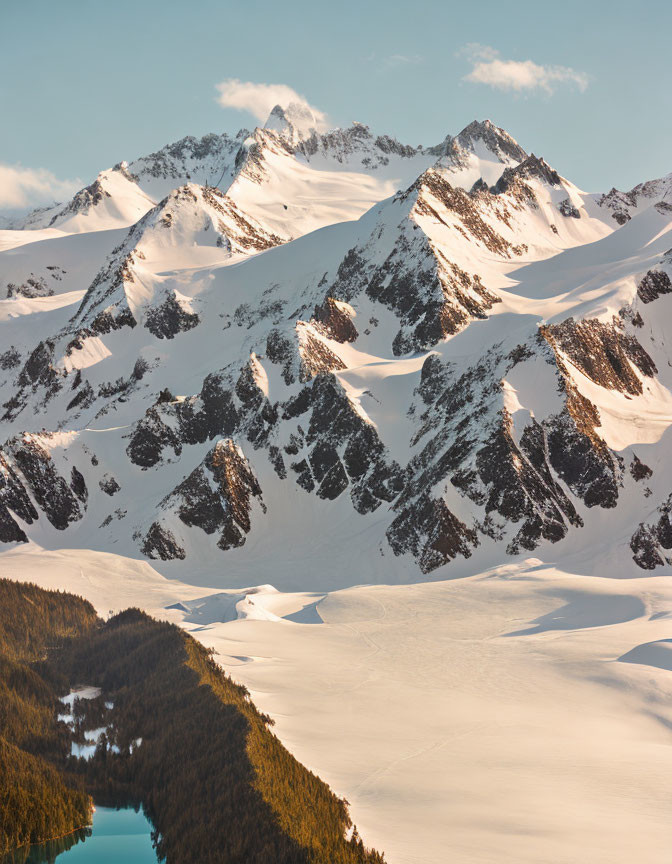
(36, 801)
(34, 621)
(216, 783)
(214, 780)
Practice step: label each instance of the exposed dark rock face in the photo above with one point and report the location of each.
(213, 412)
(34, 286)
(10, 532)
(343, 450)
(83, 201)
(238, 231)
(623, 205)
(38, 368)
(149, 439)
(104, 307)
(215, 497)
(431, 302)
(577, 453)
(281, 351)
(53, 494)
(108, 485)
(78, 485)
(433, 188)
(521, 486)
(603, 352)
(432, 296)
(335, 321)
(38, 374)
(495, 139)
(112, 318)
(10, 359)
(651, 541)
(315, 356)
(653, 285)
(513, 181)
(169, 318)
(431, 533)
(472, 445)
(342, 144)
(639, 470)
(351, 276)
(161, 543)
(609, 357)
(212, 154)
(13, 500)
(619, 203)
(568, 209)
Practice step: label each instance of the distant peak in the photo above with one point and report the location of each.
(296, 120)
(495, 139)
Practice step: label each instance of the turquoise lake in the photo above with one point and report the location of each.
(117, 837)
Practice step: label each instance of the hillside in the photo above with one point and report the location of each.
(179, 738)
(470, 367)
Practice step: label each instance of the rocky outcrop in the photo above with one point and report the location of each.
(104, 307)
(568, 209)
(315, 356)
(14, 501)
(341, 449)
(431, 533)
(160, 543)
(651, 543)
(609, 357)
(578, 454)
(108, 485)
(216, 497)
(432, 298)
(335, 320)
(281, 351)
(171, 422)
(470, 442)
(83, 201)
(61, 501)
(605, 353)
(653, 285)
(639, 470)
(167, 319)
(34, 286)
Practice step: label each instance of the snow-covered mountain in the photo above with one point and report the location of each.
(242, 349)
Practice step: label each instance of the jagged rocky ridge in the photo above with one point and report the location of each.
(212, 363)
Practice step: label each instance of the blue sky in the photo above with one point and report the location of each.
(85, 84)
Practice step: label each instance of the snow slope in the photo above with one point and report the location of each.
(517, 715)
(338, 390)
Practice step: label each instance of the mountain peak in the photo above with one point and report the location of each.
(494, 138)
(296, 121)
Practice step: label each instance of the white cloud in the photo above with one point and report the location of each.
(21, 187)
(260, 99)
(518, 75)
(403, 60)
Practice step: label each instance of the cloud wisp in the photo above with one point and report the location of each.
(403, 60)
(518, 76)
(260, 99)
(22, 188)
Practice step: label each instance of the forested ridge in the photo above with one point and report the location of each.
(38, 801)
(183, 740)
(215, 781)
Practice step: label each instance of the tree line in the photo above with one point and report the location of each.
(186, 743)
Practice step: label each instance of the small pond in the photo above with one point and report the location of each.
(117, 837)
